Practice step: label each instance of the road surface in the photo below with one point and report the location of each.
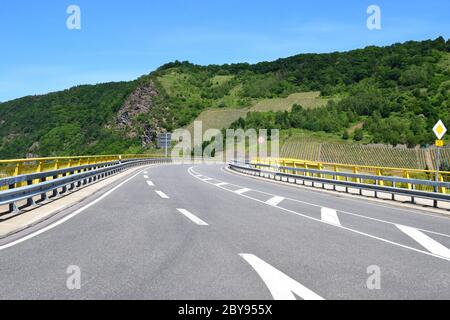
(201, 232)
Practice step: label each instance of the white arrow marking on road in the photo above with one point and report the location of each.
(150, 183)
(425, 241)
(241, 191)
(275, 201)
(280, 285)
(162, 194)
(192, 217)
(330, 216)
(145, 177)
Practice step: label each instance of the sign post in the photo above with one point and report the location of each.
(164, 141)
(439, 130)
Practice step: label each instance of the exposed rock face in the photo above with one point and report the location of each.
(139, 102)
(148, 135)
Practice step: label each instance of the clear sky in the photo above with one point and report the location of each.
(121, 40)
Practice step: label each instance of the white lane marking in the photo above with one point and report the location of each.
(221, 184)
(192, 217)
(275, 201)
(330, 216)
(242, 191)
(409, 211)
(351, 213)
(68, 217)
(145, 177)
(280, 285)
(191, 172)
(145, 172)
(150, 183)
(162, 194)
(425, 241)
(207, 179)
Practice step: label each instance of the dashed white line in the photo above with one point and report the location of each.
(280, 285)
(275, 201)
(192, 217)
(150, 183)
(330, 216)
(425, 241)
(145, 177)
(162, 194)
(193, 173)
(355, 214)
(221, 184)
(242, 191)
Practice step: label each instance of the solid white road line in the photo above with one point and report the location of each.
(145, 177)
(330, 216)
(280, 285)
(150, 183)
(274, 201)
(192, 217)
(425, 241)
(68, 217)
(162, 194)
(242, 191)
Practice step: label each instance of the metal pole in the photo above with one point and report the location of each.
(438, 163)
(166, 142)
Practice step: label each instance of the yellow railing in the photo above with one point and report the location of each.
(9, 168)
(370, 170)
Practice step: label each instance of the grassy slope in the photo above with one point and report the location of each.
(222, 118)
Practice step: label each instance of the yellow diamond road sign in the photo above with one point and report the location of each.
(439, 129)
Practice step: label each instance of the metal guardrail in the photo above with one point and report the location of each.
(350, 180)
(67, 179)
(370, 170)
(16, 167)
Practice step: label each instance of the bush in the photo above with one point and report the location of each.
(358, 135)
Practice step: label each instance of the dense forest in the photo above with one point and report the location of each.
(390, 94)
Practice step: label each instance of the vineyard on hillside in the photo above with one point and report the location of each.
(369, 155)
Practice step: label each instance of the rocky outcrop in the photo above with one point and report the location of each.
(139, 102)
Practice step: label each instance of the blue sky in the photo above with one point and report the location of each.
(121, 40)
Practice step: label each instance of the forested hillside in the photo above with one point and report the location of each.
(390, 95)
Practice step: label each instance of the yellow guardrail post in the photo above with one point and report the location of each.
(296, 166)
(320, 168)
(356, 171)
(305, 165)
(18, 171)
(407, 176)
(442, 189)
(336, 169)
(380, 174)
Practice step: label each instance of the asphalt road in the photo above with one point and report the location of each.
(200, 232)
